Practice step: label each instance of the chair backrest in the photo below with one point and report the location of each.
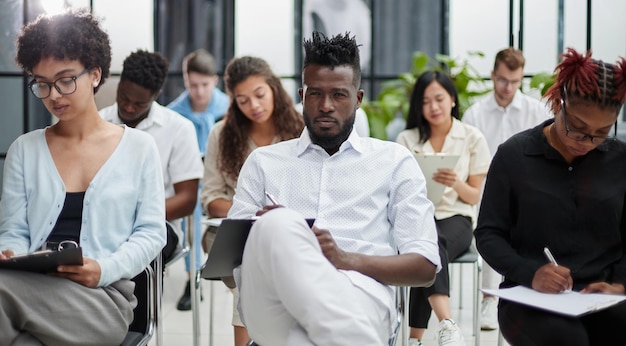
(174, 248)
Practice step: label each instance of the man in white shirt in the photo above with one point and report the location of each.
(499, 115)
(140, 84)
(374, 226)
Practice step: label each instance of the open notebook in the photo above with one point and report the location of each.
(430, 163)
(566, 303)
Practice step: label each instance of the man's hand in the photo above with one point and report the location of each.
(6, 254)
(267, 208)
(552, 279)
(604, 287)
(339, 258)
(87, 275)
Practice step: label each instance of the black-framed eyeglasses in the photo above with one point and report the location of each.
(580, 136)
(64, 85)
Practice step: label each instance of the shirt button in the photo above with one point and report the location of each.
(570, 168)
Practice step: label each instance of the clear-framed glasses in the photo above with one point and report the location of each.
(59, 246)
(503, 82)
(64, 85)
(580, 136)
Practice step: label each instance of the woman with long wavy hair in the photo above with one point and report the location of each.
(260, 113)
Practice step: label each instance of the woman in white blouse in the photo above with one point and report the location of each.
(433, 127)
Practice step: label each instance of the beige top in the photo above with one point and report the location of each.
(215, 183)
(474, 159)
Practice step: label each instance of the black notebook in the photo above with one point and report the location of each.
(45, 261)
(227, 249)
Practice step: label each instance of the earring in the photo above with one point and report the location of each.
(453, 104)
(95, 83)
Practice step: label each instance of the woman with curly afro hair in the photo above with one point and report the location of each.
(561, 186)
(82, 182)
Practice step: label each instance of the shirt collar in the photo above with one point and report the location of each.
(457, 130)
(304, 143)
(515, 103)
(154, 117)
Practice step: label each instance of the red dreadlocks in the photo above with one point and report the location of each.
(588, 79)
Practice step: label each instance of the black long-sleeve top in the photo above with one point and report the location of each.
(533, 198)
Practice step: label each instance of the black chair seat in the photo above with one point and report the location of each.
(469, 256)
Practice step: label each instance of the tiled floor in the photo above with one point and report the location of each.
(177, 326)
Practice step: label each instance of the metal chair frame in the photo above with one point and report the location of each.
(471, 257)
(154, 281)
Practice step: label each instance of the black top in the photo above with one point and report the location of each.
(69, 221)
(533, 198)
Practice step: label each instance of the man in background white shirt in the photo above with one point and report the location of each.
(140, 85)
(499, 115)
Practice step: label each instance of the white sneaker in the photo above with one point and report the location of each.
(414, 342)
(489, 313)
(450, 334)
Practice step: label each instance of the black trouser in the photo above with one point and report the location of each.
(526, 326)
(455, 236)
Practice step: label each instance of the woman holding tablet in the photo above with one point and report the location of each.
(433, 127)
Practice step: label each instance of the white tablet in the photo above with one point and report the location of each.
(430, 163)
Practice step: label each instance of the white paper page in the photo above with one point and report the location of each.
(567, 303)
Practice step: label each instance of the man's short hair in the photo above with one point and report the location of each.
(200, 61)
(145, 69)
(334, 51)
(511, 58)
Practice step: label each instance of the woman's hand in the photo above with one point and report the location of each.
(87, 275)
(604, 287)
(552, 279)
(6, 254)
(446, 177)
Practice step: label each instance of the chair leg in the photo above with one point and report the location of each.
(476, 304)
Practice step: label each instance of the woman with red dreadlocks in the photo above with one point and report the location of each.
(562, 185)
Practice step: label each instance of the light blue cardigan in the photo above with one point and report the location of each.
(123, 225)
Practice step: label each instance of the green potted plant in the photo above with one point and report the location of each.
(392, 102)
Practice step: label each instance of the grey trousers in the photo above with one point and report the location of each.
(38, 309)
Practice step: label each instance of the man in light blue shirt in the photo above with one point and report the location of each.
(201, 102)
(204, 104)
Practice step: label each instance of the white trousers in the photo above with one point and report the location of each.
(290, 294)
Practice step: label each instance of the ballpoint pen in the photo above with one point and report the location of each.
(549, 256)
(271, 198)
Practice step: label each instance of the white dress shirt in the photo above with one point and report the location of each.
(498, 124)
(371, 194)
